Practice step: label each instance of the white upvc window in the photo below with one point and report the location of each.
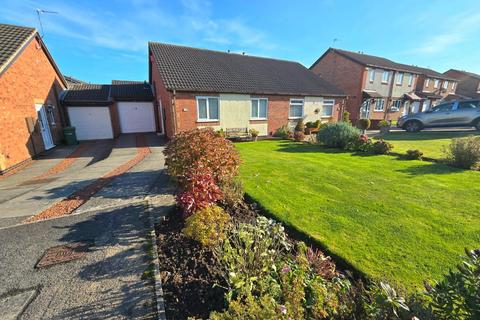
(327, 110)
(436, 83)
(410, 80)
(399, 78)
(385, 76)
(427, 82)
(445, 84)
(371, 75)
(259, 109)
(296, 109)
(397, 104)
(208, 109)
(453, 85)
(379, 105)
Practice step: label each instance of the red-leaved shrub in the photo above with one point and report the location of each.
(201, 148)
(198, 190)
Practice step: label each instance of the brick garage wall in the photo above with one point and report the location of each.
(163, 97)
(346, 75)
(30, 79)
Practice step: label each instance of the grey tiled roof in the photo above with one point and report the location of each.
(71, 81)
(105, 93)
(191, 69)
(380, 62)
(12, 38)
(131, 91)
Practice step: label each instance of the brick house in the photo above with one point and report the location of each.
(468, 83)
(104, 111)
(30, 85)
(379, 88)
(197, 88)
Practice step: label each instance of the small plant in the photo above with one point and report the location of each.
(337, 135)
(254, 133)
(300, 126)
(221, 132)
(383, 123)
(317, 124)
(299, 136)
(283, 132)
(364, 124)
(232, 192)
(384, 302)
(321, 265)
(464, 152)
(346, 117)
(310, 124)
(381, 147)
(414, 155)
(198, 190)
(207, 225)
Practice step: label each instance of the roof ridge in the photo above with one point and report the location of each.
(222, 52)
(17, 26)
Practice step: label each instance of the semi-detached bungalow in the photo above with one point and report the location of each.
(197, 88)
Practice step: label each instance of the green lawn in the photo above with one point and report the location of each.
(430, 143)
(401, 220)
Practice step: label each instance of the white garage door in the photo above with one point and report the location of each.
(91, 122)
(136, 117)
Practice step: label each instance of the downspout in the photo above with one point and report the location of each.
(390, 94)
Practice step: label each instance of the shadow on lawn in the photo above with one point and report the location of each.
(419, 136)
(431, 168)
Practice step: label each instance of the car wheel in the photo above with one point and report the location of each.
(477, 125)
(413, 126)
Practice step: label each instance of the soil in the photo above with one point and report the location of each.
(189, 277)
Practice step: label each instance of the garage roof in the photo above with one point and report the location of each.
(199, 70)
(104, 94)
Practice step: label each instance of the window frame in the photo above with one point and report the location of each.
(436, 83)
(258, 109)
(453, 85)
(397, 105)
(208, 119)
(375, 108)
(400, 77)
(323, 105)
(371, 75)
(427, 82)
(445, 84)
(388, 77)
(296, 103)
(410, 80)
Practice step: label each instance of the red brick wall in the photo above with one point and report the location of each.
(30, 79)
(164, 98)
(467, 86)
(346, 75)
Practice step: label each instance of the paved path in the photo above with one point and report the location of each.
(110, 281)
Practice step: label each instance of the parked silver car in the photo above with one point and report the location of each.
(449, 114)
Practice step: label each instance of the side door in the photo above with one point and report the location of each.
(439, 115)
(44, 126)
(467, 111)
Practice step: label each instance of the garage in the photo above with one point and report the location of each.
(136, 117)
(91, 122)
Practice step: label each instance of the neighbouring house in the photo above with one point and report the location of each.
(71, 81)
(198, 88)
(379, 88)
(103, 111)
(468, 84)
(31, 119)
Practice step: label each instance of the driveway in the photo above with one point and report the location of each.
(109, 276)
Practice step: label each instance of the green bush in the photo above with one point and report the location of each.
(383, 123)
(346, 117)
(337, 135)
(232, 192)
(364, 124)
(253, 132)
(464, 152)
(207, 225)
(381, 147)
(283, 132)
(414, 155)
(310, 124)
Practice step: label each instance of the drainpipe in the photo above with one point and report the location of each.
(390, 93)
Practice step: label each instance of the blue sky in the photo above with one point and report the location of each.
(97, 41)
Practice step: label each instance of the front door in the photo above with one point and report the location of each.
(44, 126)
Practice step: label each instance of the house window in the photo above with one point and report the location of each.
(410, 80)
(478, 89)
(385, 76)
(296, 108)
(427, 82)
(207, 109)
(436, 83)
(259, 109)
(453, 85)
(327, 110)
(400, 78)
(397, 104)
(379, 105)
(371, 75)
(445, 84)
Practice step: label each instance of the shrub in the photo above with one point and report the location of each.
(381, 147)
(363, 144)
(310, 124)
(207, 225)
(232, 192)
(198, 190)
(383, 302)
(300, 126)
(283, 132)
(337, 135)
(299, 136)
(221, 132)
(201, 148)
(457, 296)
(317, 124)
(414, 155)
(254, 133)
(346, 117)
(364, 124)
(464, 152)
(320, 264)
(383, 123)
